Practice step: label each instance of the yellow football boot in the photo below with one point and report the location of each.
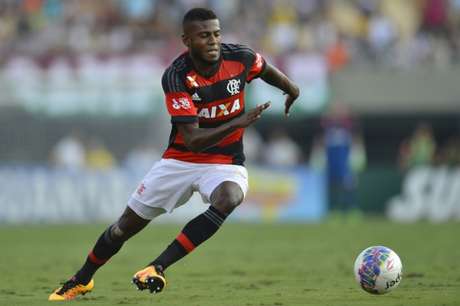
(151, 278)
(70, 290)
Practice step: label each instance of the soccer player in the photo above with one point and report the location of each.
(204, 89)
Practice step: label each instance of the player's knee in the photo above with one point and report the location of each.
(117, 234)
(227, 199)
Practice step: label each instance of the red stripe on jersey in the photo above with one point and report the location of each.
(180, 104)
(185, 242)
(179, 139)
(221, 109)
(200, 158)
(256, 68)
(227, 70)
(232, 138)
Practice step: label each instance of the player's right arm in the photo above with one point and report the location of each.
(197, 139)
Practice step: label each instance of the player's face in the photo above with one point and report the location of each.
(203, 40)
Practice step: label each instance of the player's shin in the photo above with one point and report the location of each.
(193, 234)
(105, 247)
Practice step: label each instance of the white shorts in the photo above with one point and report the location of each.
(170, 183)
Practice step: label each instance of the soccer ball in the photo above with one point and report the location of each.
(378, 270)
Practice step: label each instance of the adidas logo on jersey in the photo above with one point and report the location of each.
(220, 110)
(196, 97)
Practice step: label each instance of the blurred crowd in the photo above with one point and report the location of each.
(422, 149)
(396, 33)
(339, 148)
(76, 151)
(57, 35)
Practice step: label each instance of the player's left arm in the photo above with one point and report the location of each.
(275, 77)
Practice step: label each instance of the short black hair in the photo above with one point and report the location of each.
(198, 14)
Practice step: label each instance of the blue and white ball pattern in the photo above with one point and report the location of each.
(378, 270)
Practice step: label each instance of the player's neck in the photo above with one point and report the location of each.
(205, 69)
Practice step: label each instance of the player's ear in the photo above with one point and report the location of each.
(186, 40)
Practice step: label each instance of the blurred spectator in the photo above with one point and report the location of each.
(337, 55)
(341, 157)
(419, 150)
(282, 29)
(434, 18)
(337, 125)
(139, 9)
(358, 156)
(98, 157)
(317, 160)
(69, 152)
(281, 150)
(450, 153)
(404, 151)
(381, 37)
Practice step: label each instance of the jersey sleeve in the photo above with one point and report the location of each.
(178, 101)
(257, 65)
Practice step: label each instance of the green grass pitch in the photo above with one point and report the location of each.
(243, 265)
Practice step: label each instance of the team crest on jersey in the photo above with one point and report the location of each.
(233, 86)
(141, 189)
(220, 110)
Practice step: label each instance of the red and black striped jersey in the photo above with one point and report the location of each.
(210, 101)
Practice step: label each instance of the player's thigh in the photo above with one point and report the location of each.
(167, 185)
(226, 180)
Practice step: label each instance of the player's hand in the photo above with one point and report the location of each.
(252, 115)
(292, 95)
